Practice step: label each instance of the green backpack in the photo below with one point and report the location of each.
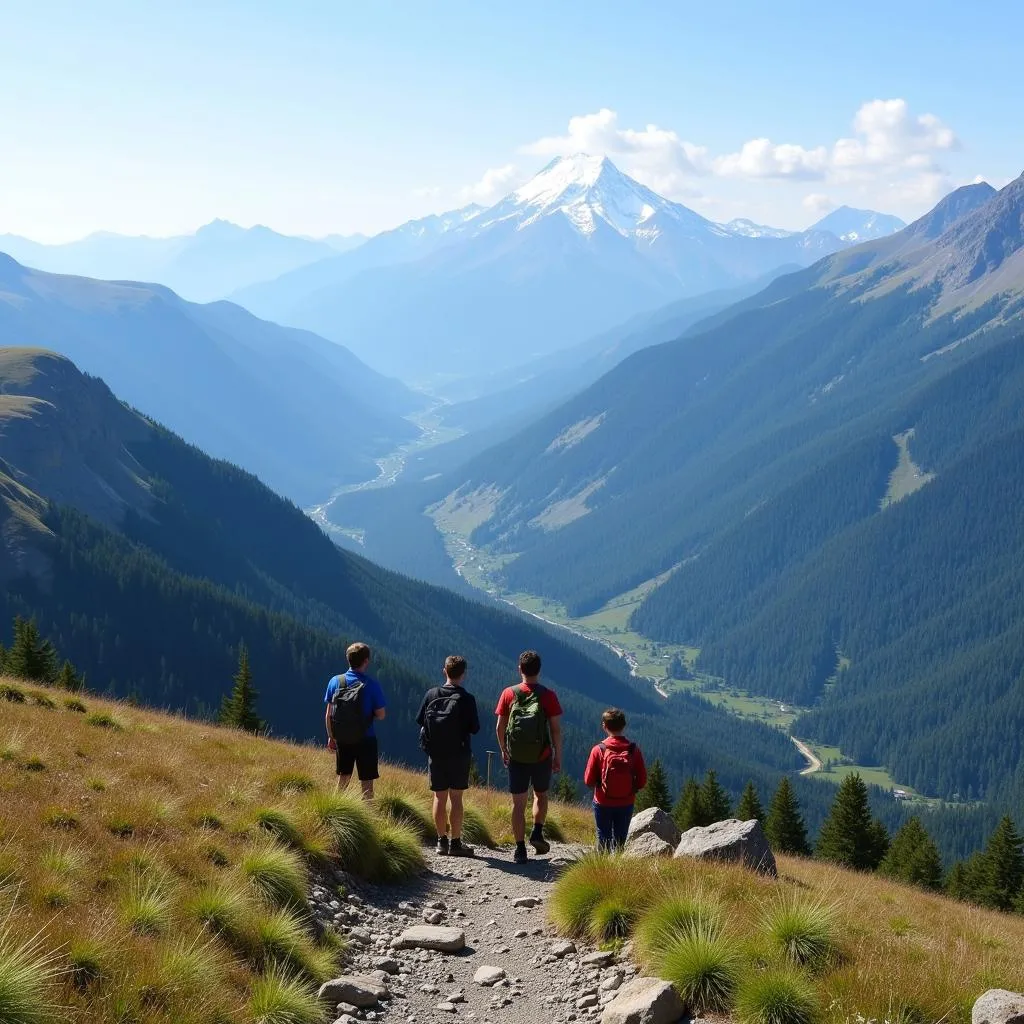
(526, 735)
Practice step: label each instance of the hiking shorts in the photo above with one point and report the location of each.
(361, 756)
(449, 772)
(522, 776)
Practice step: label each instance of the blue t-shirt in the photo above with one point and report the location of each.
(373, 695)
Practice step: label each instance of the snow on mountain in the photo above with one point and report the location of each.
(854, 226)
(747, 228)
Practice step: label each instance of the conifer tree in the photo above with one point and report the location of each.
(565, 789)
(239, 707)
(749, 807)
(3, 659)
(655, 793)
(714, 799)
(913, 857)
(784, 825)
(966, 878)
(68, 678)
(1002, 871)
(689, 808)
(31, 656)
(849, 835)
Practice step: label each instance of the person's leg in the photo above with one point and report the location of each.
(519, 817)
(603, 824)
(620, 824)
(367, 765)
(441, 814)
(458, 812)
(540, 809)
(541, 777)
(519, 788)
(345, 763)
(343, 782)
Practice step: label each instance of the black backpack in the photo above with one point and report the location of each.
(444, 731)
(348, 720)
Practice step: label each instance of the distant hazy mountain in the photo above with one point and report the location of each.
(210, 264)
(854, 226)
(572, 252)
(301, 412)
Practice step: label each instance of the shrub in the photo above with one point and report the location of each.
(613, 918)
(12, 693)
(401, 809)
(25, 976)
(475, 828)
(350, 826)
(280, 998)
(41, 700)
(776, 997)
(579, 892)
(278, 873)
(145, 906)
(74, 704)
(103, 720)
(704, 968)
(670, 918)
(292, 782)
(401, 852)
(802, 930)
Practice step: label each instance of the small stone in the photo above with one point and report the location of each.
(488, 976)
(526, 902)
(644, 1001)
(387, 964)
(346, 1018)
(436, 905)
(455, 997)
(352, 1011)
(357, 989)
(612, 982)
(562, 948)
(445, 1007)
(443, 940)
(430, 990)
(584, 1002)
(601, 958)
(360, 936)
(433, 916)
(521, 934)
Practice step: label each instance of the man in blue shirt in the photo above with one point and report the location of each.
(350, 721)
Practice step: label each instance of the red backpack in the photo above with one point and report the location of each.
(618, 781)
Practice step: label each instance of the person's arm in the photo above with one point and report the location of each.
(556, 742)
(639, 769)
(331, 743)
(379, 703)
(474, 717)
(592, 776)
(499, 730)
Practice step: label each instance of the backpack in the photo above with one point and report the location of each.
(443, 729)
(348, 719)
(618, 781)
(526, 735)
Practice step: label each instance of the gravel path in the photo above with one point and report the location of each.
(538, 978)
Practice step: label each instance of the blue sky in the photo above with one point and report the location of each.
(318, 117)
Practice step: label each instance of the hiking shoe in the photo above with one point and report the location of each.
(443, 849)
(457, 848)
(537, 840)
(520, 857)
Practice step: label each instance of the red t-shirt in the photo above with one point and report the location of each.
(592, 776)
(548, 702)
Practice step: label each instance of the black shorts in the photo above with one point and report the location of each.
(522, 776)
(449, 772)
(362, 756)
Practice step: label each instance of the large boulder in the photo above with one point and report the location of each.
(424, 936)
(647, 844)
(357, 989)
(997, 1006)
(644, 1001)
(654, 820)
(738, 842)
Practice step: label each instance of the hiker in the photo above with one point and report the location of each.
(616, 772)
(355, 702)
(447, 718)
(529, 734)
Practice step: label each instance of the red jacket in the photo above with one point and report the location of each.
(592, 776)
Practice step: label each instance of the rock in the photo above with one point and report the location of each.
(602, 958)
(360, 936)
(644, 1001)
(739, 842)
(561, 948)
(387, 964)
(998, 1006)
(422, 936)
(433, 916)
(458, 996)
(348, 1008)
(654, 820)
(445, 1007)
(584, 1002)
(612, 982)
(647, 844)
(521, 934)
(357, 989)
(526, 902)
(488, 976)
(347, 1018)
(430, 990)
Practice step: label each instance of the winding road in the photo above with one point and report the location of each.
(813, 761)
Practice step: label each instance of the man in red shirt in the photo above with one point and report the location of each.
(616, 772)
(529, 734)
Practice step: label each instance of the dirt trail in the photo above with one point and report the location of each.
(813, 761)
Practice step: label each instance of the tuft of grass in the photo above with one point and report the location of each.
(401, 851)
(579, 892)
(189, 968)
(62, 860)
(292, 783)
(55, 896)
(222, 908)
(96, 785)
(87, 962)
(802, 930)
(277, 873)
(145, 906)
(206, 820)
(475, 829)
(57, 817)
(350, 826)
(26, 973)
(41, 700)
(75, 705)
(280, 938)
(278, 997)
(400, 808)
(553, 829)
(704, 968)
(120, 825)
(776, 997)
(34, 764)
(613, 919)
(104, 720)
(670, 918)
(12, 693)
(314, 842)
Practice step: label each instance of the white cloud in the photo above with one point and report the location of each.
(818, 203)
(887, 135)
(495, 183)
(761, 158)
(427, 192)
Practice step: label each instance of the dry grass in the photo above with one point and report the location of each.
(157, 859)
(875, 951)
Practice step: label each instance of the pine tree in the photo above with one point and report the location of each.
(3, 659)
(849, 835)
(784, 825)
(966, 878)
(239, 708)
(565, 789)
(655, 793)
(689, 808)
(1002, 873)
(749, 807)
(31, 656)
(714, 798)
(68, 678)
(913, 857)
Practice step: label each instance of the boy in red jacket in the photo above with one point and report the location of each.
(616, 772)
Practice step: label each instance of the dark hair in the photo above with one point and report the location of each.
(455, 666)
(358, 655)
(614, 720)
(529, 664)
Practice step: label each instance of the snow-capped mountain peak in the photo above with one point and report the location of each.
(743, 226)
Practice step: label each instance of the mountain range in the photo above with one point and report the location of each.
(300, 411)
(577, 249)
(209, 264)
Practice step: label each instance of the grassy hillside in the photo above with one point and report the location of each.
(159, 866)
